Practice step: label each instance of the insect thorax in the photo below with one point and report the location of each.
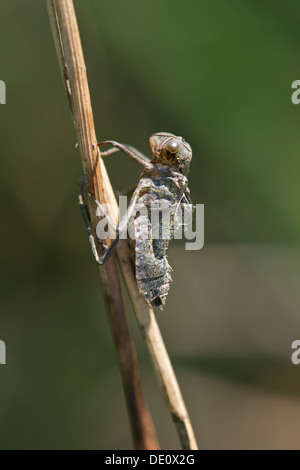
(162, 181)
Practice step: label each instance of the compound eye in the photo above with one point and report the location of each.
(172, 146)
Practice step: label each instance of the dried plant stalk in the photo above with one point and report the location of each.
(104, 193)
(159, 355)
(70, 55)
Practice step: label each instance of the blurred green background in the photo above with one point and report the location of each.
(219, 74)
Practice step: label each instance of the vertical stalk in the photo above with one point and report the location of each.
(71, 60)
(66, 36)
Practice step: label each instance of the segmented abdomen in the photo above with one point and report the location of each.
(152, 268)
(159, 189)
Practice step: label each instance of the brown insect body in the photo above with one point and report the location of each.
(163, 185)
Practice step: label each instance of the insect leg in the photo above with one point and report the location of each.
(122, 226)
(187, 198)
(128, 150)
(109, 151)
(86, 218)
(137, 152)
(82, 182)
(119, 230)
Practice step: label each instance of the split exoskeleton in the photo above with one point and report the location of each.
(161, 184)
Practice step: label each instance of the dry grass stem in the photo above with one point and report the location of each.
(70, 55)
(68, 45)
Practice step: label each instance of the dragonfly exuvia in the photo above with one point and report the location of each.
(161, 181)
